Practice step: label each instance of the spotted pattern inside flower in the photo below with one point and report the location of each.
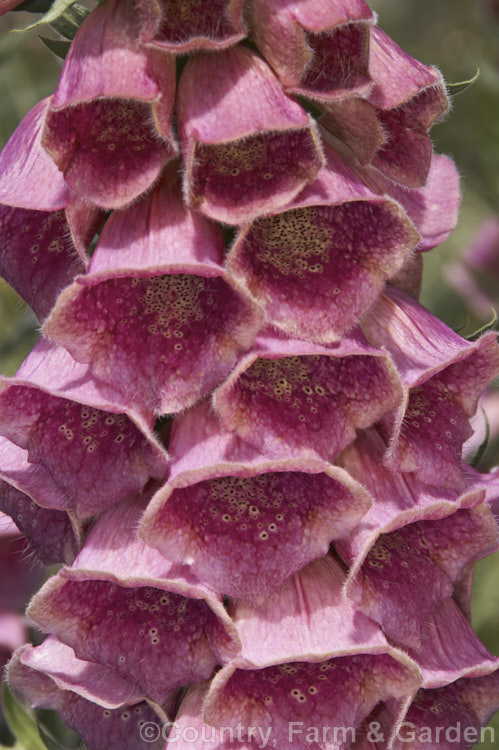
(247, 535)
(407, 572)
(340, 692)
(107, 149)
(48, 532)
(95, 457)
(339, 63)
(434, 711)
(402, 584)
(104, 727)
(163, 340)
(244, 175)
(313, 402)
(432, 435)
(157, 638)
(37, 256)
(317, 269)
(184, 20)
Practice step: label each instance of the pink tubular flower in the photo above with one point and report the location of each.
(242, 161)
(85, 449)
(244, 523)
(45, 228)
(388, 128)
(108, 128)
(443, 376)
(308, 657)
(54, 535)
(318, 49)
(125, 606)
(407, 572)
(290, 397)
(449, 717)
(156, 317)
(180, 26)
(318, 265)
(434, 208)
(91, 698)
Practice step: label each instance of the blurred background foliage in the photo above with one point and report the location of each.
(458, 36)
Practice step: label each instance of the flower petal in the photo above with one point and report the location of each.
(124, 605)
(91, 699)
(191, 26)
(242, 161)
(88, 446)
(241, 522)
(51, 533)
(319, 265)
(109, 124)
(288, 397)
(330, 669)
(317, 49)
(156, 317)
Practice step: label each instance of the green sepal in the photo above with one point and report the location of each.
(59, 47)
(478, 455)
(490, 326)
(22, 723)
(68, 23)
(457, 88)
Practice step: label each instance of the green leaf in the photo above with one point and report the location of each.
(59, 47)
(490, 326)
(21, 723)
(68, 23)
(61, 13)
(457, 88)
(475, 460)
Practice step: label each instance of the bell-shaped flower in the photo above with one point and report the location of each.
(288, 397)
(309, 663)
(450, 717)
(443, 376)
(318, 265)
(108, 127)
(106, 709)
(182, 26)
(318, 49)
(434, 208)
(54, 535)
(189, 730)
(125, 606)
(155, 317)
(244, 523)
(408, 571)
(45, 229)
(248, 148)
(86, 450)
(450, 648)
(389, 127)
